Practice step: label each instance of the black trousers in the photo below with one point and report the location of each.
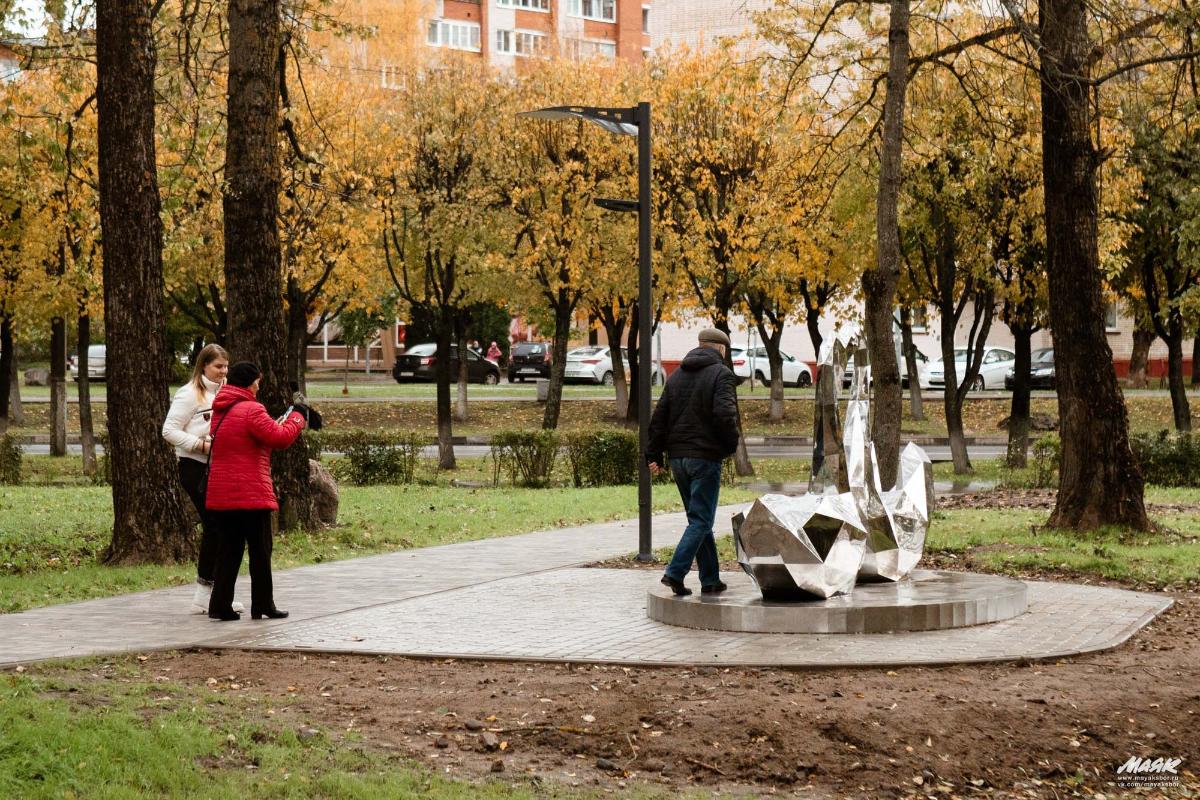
(191, 472)
(237, 531)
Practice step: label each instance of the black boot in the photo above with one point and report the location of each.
(225, 616)
(270, 613)
(716, 588)
(676, 586)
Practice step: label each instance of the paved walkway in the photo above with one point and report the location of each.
(525, 597)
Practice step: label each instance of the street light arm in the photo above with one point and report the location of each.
(621, 121)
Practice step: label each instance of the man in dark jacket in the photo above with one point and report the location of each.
(696, 424)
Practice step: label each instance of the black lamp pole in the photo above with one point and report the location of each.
(642, 117)
(630, 122)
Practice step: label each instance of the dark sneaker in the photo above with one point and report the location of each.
(676, 586)
(716, 588)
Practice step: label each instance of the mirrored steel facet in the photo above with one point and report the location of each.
(821, 543)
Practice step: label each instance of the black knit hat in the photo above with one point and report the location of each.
(243, 373)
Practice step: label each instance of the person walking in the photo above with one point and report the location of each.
(187, 427)
(493, 353)
(695, 424)
(240, 496)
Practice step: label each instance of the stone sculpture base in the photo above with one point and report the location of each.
(925, 601)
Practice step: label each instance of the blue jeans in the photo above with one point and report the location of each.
(699, 482)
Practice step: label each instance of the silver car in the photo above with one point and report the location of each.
(997, 361)
(96, 367)
(795, 371)
(593, 364)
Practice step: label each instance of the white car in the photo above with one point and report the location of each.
(795, 371)
(997, 361)
(593, 364)
(96, 368)
(922, 360)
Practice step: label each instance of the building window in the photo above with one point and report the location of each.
(586, 49)
(528, 5)
(919, 316)
(1110, 317)
(520, 43)
(602, 10)
(455, 35)
(646, 19)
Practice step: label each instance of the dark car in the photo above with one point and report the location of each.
(528, 360)
(1041, 371)
(417, 364)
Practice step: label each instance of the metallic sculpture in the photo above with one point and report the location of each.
(846, 529)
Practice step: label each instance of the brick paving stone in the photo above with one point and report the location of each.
(508, 598)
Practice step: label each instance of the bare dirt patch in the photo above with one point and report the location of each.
(1038, 730)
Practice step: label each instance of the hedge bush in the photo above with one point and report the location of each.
(10, 461)
(1047, 455)
(527, 456)
(1169, 459)
(372, 457)
(603, 458)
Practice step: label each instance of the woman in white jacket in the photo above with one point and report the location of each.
(186, 427)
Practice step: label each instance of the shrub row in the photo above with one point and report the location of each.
(10, 461)
(1168, 459)
(370, 457)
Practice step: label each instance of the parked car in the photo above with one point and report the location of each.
(96, 364)
(593, 364)
(1041, 370)
(417, 364)
(795, 371)
(997, 361)
(529, 360)
(922, 360)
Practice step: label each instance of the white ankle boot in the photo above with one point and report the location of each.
(200, 599)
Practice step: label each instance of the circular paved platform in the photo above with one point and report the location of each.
(926, 601)
(599, 615)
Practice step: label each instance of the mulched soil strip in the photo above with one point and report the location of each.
(1037, 730)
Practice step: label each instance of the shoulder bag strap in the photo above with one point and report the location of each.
(213, 443)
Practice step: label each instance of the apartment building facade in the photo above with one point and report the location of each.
(505, 31)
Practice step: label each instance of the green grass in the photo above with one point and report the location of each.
(53, 531)
(99, 731)
(51, 537)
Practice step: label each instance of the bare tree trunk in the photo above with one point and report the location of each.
(442, 376)
(1179, 400)
(614, 327)
(633, 348)
(254, 290)
(771, 342)
(1196, 360)
(87, 436)
(297, 336)
(58, 386)
(915, 402)
(741, 457)
(558, 363)
(1139, 359)
(464, 373)
(7, 373)
(812, 321)
(951, 404)
(16, 410)
(149, 519)
(879, 284)
(1100, 482)
(1018, 415)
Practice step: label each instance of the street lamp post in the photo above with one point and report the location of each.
(630, 122)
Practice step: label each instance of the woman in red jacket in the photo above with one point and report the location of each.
(240, 496)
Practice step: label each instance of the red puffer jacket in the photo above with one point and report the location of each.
(239, 472)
